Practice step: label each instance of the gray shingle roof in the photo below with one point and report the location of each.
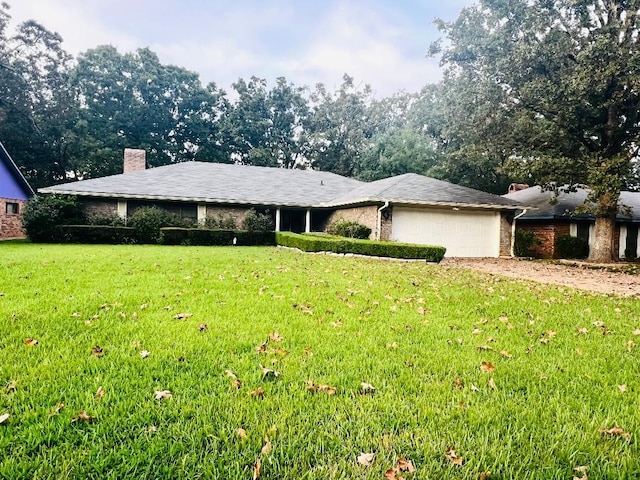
(547, 206)
(241, 184)
(413, 188)
(217, 183)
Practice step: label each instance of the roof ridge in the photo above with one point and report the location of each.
(397, 178)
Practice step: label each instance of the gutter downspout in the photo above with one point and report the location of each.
(379, 220)
(513, 231)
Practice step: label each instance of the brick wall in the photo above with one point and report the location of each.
(134, 160)
(506, 220)
(547, 233)
(237, 213)
(365, 215)
(11, 223)
(99, 207)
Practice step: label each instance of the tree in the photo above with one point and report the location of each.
(36, 105)
(266, 127)
(549, 88)
(133, 100)
(340, 127)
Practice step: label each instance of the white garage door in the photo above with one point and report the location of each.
(463, 233)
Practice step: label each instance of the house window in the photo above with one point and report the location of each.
(12, 208)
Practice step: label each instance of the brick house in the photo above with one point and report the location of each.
(552, 217)
(14, 193)
(409, 208)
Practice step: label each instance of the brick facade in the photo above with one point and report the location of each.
(368, 216)
(548, 234)
(237, 213)
(506, 221)
(99, 207)
(11, 223)
(134, 160)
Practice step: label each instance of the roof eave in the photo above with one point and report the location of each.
(475, 206)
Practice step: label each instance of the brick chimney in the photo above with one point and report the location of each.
(134, 160)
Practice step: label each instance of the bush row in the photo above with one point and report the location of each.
(317, 243)
(106, 234)
(201, 236)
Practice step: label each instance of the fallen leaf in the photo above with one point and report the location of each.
(267, 372)
(492, 384)
(636, 332)
(476, 331)
(505, 354)
(262, 348)
(312, 387)
(405, 465)
(484, 347)
(56, 410)
(617, 432)
(630, 345)
(267, 447)
(97, 351)
(622, 388)
(487, 367)
(83, 416)
(145, 353)
(474, 388)
(242, 433)
(421, 310)
(76, 314)
(11, 387)
(366, 458)
(30, 342)
(308, 352)
(203, 327)
(258, 392)
(236, 381)
(4, 417)
(275, 337)
(100, 392)
(163, 394)
(391, 474)
(367, 388)
(182, 316)
(453, 457)
(484, 475)
(582, 331)
(256, 469)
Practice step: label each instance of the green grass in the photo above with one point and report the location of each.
(361, 320)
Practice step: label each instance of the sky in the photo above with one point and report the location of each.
(382, 43)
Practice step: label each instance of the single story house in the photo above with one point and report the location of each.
(552, 217)
(14, 193)
(407, 208)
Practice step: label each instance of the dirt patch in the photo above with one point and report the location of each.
(577, 276)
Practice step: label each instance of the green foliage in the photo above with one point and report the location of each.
(199, 236)
(344, 228)
(320, 243)
(257, 222)
(44, 213)
(147, 221)
(113, 220)
(572, 247)
(221, 221)
(105, 234)
(525, 243)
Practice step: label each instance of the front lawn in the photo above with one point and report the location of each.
(472, 373)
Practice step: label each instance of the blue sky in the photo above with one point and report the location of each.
(379, 42)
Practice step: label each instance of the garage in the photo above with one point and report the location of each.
(465, 233)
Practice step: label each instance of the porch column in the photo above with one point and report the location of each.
(122, 209)
(278, 219)
(307, 222)
(202, 213)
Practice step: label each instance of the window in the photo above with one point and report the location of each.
(12, 208)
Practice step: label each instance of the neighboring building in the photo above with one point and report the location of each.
(407, 208)
(553, 217)
(14, 193)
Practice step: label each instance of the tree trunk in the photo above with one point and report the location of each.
(602, 249)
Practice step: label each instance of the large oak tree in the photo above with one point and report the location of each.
(550, 89)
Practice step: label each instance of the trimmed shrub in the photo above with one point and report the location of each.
(317, 243)
(147, 221)
(257, 222)
(344, 228)
(201, 236)
(105, 234)
(113, 220)
(525, 243)
(221, 221)
(572, 247)
(44, 213)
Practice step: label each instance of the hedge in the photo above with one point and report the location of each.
(572, 247)
(202, 236)
(317, 243)
(107, 234)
